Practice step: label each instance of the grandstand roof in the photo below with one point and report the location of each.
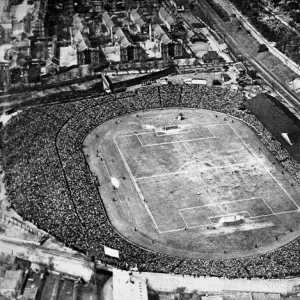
(278, 119)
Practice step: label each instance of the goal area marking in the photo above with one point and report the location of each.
(172, 130)
(186, 130)
(181, 211)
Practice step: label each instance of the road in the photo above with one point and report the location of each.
(290, 99)
(63, 261)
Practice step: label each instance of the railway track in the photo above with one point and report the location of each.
(289, 98)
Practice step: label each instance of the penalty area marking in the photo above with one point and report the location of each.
(176, 173)
(169, 134)
(219, 203)
(264, 166)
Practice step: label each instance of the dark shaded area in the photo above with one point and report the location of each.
(147, 77)
(278, 119)
(101, 278)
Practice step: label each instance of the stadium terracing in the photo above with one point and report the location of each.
(49, 182)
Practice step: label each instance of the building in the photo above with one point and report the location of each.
(179, 4)
(30, 293)
(240, 68)
(139, 22)
(68, 7)
(90, 56)
(79, 40)
(125, 47)
(80, 24)
(98, 6)
(166, 46)
(52, 65)
(107, 21)
(6, 28)
(212, 57)
(38, 18)
(225, 77)
(128, 287)
(166, 18)
(11, 283)
(4, 78)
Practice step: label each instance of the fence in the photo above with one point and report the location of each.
(282, 57)
(21, 224)
(169, 283)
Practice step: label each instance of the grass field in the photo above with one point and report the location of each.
(205, 172)
(175, 185)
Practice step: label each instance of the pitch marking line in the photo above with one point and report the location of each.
(275, 214)
(208, 224)
(219, 203)
(139, 140)
(268, 206)
(180, 131)
(133, 134)
(164, 143)
(186, 172)
(136, 186)
(207, 126)
(173, 142)
(230, 214)
(183, 219)
(267, 170)
(176, 142)
(173, 230)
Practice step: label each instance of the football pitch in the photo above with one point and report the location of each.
(178, 180)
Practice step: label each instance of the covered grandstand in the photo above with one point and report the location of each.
(279, 120)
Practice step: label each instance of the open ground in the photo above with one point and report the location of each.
(167, 184)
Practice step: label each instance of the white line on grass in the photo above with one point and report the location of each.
(180, 131)
(275, 214)
(228, 215)
(185, 172)
(139, 140)
(133, 134)
(268, 205)
(176, 142)
(173, 230)
(183, 219)
(220, 203)
(210, 130)
(267, 170)
(136, 186)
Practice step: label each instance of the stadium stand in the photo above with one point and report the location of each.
(279, 120)
(49, 182)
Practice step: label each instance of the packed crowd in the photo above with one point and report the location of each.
(49, 183)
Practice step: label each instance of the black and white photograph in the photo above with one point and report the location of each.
(149, 150)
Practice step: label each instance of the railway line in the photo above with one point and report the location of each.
(289, 98)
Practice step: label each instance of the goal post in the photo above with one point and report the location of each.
(170, 127)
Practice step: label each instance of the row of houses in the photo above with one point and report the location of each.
(157, 34)
(26, 52)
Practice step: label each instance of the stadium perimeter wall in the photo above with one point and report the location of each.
(169, 283)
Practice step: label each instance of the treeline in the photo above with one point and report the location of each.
(287, 40)
(219, 10)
